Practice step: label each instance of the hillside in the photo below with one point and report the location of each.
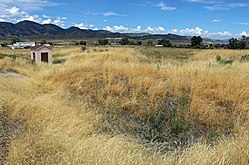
(32, 30)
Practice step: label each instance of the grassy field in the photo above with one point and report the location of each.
(125, 105)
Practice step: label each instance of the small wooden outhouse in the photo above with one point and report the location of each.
(42, 53)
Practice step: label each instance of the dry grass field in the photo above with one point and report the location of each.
(125, 106)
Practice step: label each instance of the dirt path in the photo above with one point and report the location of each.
(11, 75)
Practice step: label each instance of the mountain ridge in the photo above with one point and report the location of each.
(32, 30)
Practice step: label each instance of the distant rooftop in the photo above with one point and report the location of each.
(37, 47)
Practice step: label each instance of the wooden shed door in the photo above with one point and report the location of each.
(44, 57)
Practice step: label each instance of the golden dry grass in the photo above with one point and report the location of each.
(61, 106)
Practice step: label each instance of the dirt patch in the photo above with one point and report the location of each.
(8, 129)
(12, 75)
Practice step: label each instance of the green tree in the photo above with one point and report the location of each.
(132, 43)
(5, 44)
(149, 43)
(103, 42)
(124, 41)
(15, 40)
(165, 43)
(196, 41)
(234, 43)
(82, 43)
(51, 43)
(139, 43)
(44, 42)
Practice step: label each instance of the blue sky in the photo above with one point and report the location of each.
(208, 18)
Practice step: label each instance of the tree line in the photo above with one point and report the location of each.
(196, 42)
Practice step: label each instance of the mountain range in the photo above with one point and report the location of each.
(32, 30)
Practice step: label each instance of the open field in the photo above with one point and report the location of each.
(125, 105)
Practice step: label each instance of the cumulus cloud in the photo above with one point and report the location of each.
(16, 10)
(243, 33)
(60, 21)
(164, 6)
(47, 21)
(86, 26)
(184, 32)
(138, 29)
(156, 30)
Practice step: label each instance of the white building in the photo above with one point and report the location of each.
(21, 45)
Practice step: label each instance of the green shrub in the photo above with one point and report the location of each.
(83, 48)
(59, 61)
(244, 58)
(224, 61)
(218, 58)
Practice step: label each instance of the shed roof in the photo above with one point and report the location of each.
(37, 47)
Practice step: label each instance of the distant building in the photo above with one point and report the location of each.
(158, 45)
(21, 45)
(41, 53)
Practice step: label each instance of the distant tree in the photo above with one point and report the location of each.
(196, 41)
(82, 43)
(139, 43)
(234, 43)
(149, 43)
(103, 42)
(5, 44)
(165, 43)
(15, 40)
(44, 42)
(51, 43)
(132, 43)
(124, 41)
(242, 44)
(243, 37)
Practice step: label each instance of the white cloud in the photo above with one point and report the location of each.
(149, 29)
(45, 16)
(226, 6)
(111, 13)
(216, 20)
(86, 26)
(138, 29)
(225, 33)
(60, 21)
(165, 7)
(16, 10)
(27, 4)
(244, 23)
(191, 31)
(47, 21)
(81, 26)
(120, 28)
(243, 33)
(108, 28)
(203, 1)
(197, 31)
